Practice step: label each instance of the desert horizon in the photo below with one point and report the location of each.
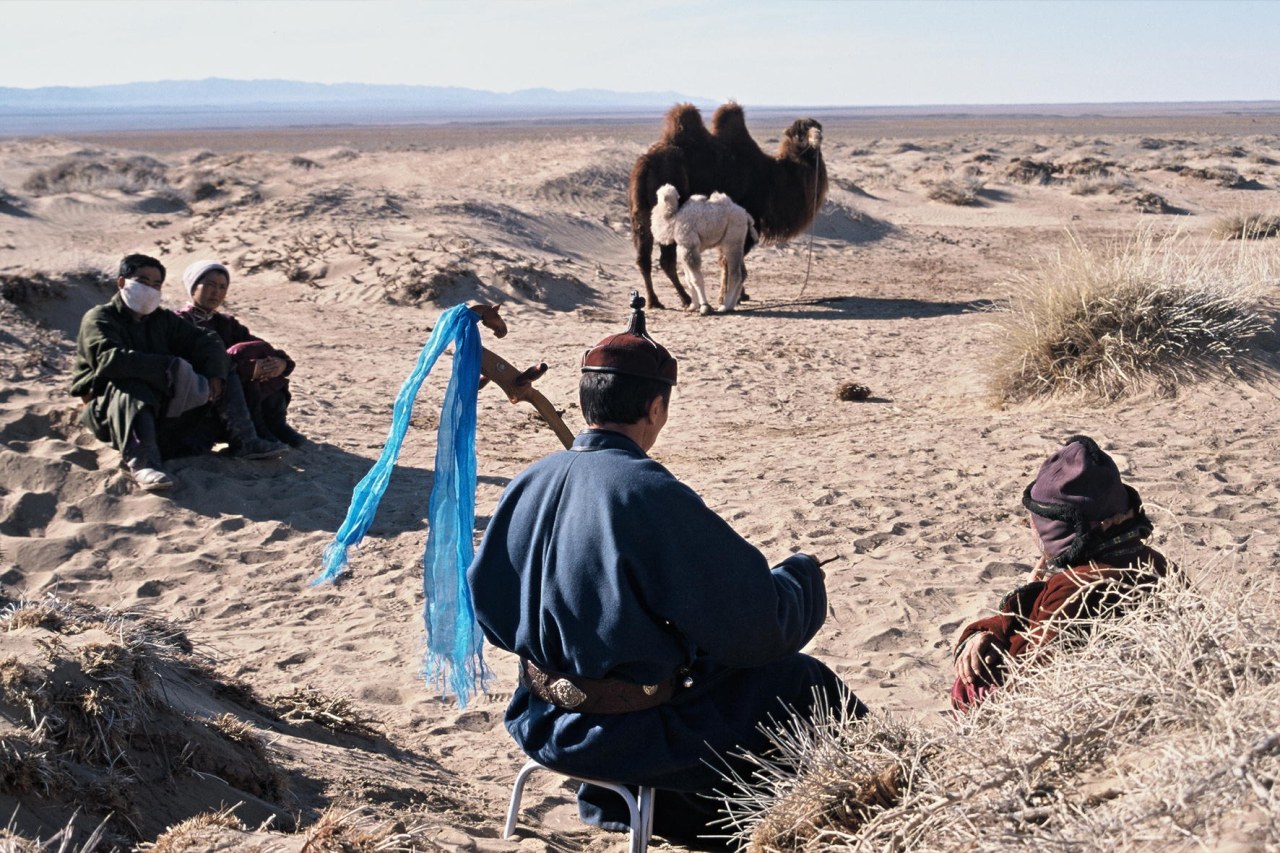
(346, 243)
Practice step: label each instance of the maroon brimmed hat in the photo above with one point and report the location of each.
(632, 353)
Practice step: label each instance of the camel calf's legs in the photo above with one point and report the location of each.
(691, 259)
(734, 271)
(667, 260)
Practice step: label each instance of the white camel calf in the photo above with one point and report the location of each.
(703, 223)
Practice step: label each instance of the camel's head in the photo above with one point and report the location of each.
(668, 199)
(804, 135)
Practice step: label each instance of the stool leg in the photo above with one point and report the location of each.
(517, 792)
(638, 840)
(646, 820)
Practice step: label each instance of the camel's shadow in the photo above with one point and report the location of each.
(863, 308)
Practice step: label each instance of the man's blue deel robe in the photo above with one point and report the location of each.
(599, 563)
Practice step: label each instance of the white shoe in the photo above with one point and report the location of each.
(151, 479)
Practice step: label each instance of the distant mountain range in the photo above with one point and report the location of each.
(220, 103)
(216, 102)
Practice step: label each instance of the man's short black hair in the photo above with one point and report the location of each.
(616, 398)
(132, 263)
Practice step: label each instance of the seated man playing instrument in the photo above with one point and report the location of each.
(263, 369)
(1090, 529)
(653, 639)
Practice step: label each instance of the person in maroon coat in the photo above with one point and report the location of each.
(263, 369)
(1091, 531)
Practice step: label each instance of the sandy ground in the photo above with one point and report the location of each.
(345, 246)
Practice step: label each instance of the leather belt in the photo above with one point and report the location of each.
(594, 695)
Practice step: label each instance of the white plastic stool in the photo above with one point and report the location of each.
(641, 809)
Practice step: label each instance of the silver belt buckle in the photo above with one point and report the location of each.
(565, 694)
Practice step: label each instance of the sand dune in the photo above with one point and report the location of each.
(345, 251)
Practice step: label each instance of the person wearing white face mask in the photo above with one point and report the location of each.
(147, 378)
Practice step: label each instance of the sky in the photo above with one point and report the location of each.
(792, 53)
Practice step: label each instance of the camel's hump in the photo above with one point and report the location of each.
(729, 125)
(684, 126)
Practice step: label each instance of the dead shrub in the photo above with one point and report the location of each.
(357, 832)
(1252, 226)
(1111, 185)
(1161, 731)
(29, 768)
(1088, 167)
(1149, 202)
(206, 831)
(1027, 171)
(31, 614)
(66, 840)
(962, 190)
(307, 705)
(92, 174)
(850, 392)
(1223, 176)
(1103, 322)
(419, 284)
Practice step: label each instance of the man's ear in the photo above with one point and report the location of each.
(655, 406)
(119, 282)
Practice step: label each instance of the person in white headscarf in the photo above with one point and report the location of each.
(263, 369)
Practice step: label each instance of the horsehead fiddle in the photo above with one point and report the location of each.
(516, 384)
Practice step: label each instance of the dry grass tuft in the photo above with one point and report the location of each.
(1223, 176)
(202, 832)
(1088, 167)
(831, 775)
(89, 723)
(65, 840)
(31, 614)
(850, 392)
(1252, 226)
(88, 173)
(1109, 184)
(963, 190)
(1027, 171)
(27, 767)
(1150, 202)
(306, 705)
(1104, 322)
(1161, 731)
(356, 832)
(237, 730)
(334, 832)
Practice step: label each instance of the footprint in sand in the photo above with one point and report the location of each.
(29, 513)
(151, 589)
(1002, 570)
(293, 660)
(380, 695)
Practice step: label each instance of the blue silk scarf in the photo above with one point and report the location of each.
(453, 658)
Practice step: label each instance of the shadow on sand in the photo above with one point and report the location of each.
(862, 308)
(309, 489)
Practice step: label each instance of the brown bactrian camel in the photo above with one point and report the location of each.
(782, 193)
